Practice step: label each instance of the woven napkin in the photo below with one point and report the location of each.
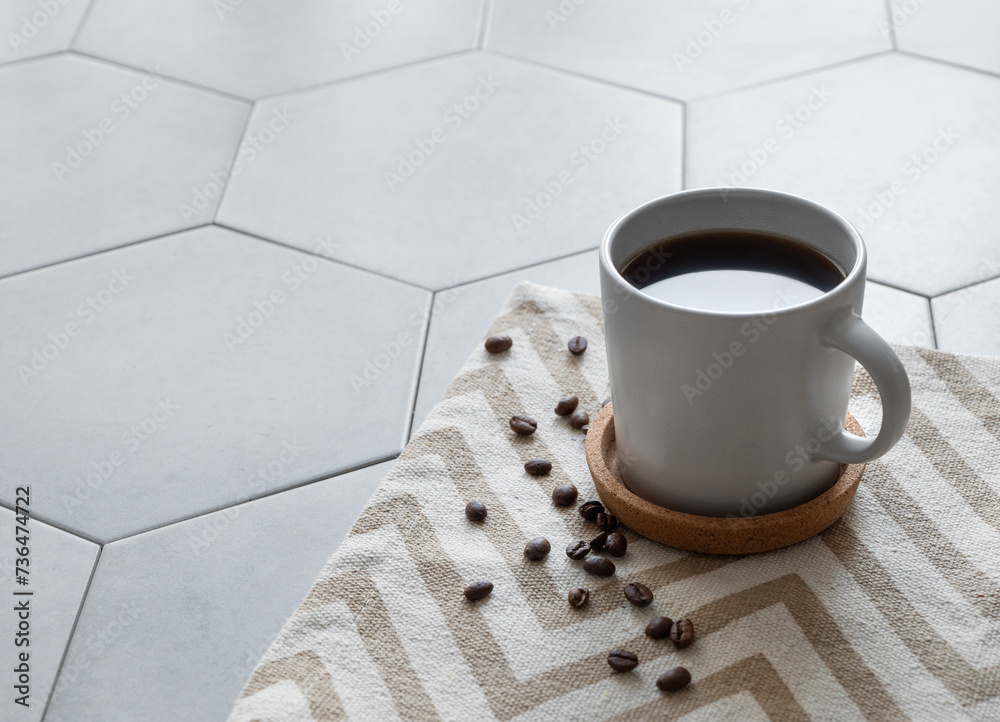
(891, 613)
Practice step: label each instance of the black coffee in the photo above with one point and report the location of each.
(732, 271)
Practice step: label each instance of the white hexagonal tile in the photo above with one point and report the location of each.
(37, 27)
(898, 316)
(968, 320)
(183, 374)
(687, 50)
(104, 156)
(461, 316)
(255, 48)
(59, 567)
(195, 605)
(962, 31)
(458, 169)
(906, 149)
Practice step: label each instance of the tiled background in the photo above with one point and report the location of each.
(245, 245)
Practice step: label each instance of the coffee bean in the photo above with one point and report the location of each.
(622, 660)
(606, 521)
(578, 550)
(567, 405)
(577, 345)
(673, 679)
(578, 597)
(564, 494)
(599, 566)
(616, 544)
(585, 428)
(579, 418)
(523, 425)
(590, 509)
(605, 402)
(475, 511)
(597, 543)
(478, 590)
(659, 628)
(538, 467)
(537, 548)
(638, 595)
(499, 344)
(682, 633)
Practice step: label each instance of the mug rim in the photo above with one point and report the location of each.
(852, 276)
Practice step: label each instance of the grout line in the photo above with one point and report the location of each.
(57, 525)
(521, 268)
(484, 27)
(581, 76)
(949, 63)
(897, 287)
(236, 156)
(892, 25)
(934, 338)
(290, 247)
(72, 632)
(977, 282)
(420, 369)
(265, 495)
(102, 251)
(163, 74)
(79, 28)
(29, 59)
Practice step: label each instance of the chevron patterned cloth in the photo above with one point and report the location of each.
(891, 613)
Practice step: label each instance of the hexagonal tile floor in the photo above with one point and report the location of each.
(245, 246)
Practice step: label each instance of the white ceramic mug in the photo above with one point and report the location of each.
(733, 414)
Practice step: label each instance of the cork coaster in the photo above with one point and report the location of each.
(709, 534)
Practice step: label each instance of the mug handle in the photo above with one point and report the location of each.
(848, 333)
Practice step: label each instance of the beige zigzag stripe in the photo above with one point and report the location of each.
(307, 671)
(966, 388)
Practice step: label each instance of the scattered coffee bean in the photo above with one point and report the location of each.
(564, 494)
(538, 467)
(638, 595)
(622, 660)
(499, 344)
(599, 566)
(475, 511)
(578, 550)
(590, 509)
(674, 679)
(579, 418)
(537, 548)
(597, 543)
(585, 428)
(567, 405)
(616, 544)
(478, 590)
(578, 597)
(659, 628)
(577, 345)
(606, 521)
(682, 633)
(523, 425)
(605, 402)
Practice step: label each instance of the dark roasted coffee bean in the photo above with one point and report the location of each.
(578, 597)
(606, 521)
(682, 633)
(475, 511)
(590, 509)
(537, 548)
(659, 628)
(523, 425)
(599, 566)
(622, 660)
(478, 590)
(538, 467)
(578, 550)
(616, 544)
(577, 345)
(585, 428)
(579, 418)
(673, 679)
(564, 494)
(567, 405)
(597, 543)
(498, 344)
(605, 402)
(638, 595)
